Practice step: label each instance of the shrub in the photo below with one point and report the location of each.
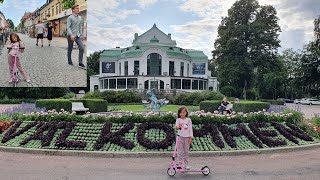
(94, 105)
(195, 98)
(250, 106)
(16, 101)
(276, 102)
(242, 106)
(115, 96)
(209, 106)
(316, 120)
(57, 104)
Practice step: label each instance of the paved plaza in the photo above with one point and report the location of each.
(46, 66)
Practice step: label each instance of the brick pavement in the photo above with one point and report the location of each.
(46, 66)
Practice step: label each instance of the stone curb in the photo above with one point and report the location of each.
(155, 154)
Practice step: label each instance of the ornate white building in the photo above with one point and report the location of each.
(153, 61)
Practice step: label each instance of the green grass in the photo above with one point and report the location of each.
(173, 108)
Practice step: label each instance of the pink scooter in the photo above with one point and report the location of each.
(174, 168)
(15, 78)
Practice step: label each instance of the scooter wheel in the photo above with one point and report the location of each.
(171, 172)
(205, 170)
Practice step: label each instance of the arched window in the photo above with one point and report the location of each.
(154, 64)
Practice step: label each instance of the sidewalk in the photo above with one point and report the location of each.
(46, 66)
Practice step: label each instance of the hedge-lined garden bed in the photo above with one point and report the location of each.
(137, 133)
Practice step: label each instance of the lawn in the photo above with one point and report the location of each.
(173, 108)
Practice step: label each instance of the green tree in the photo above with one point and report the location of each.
(1, 1)
(11, 23)
(246, 45)
(93, 65)
(67, 4)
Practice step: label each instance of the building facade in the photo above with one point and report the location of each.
(153, 61)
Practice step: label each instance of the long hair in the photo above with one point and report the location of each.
(182, 108)
(16, 35)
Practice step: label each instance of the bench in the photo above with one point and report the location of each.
(78, 107)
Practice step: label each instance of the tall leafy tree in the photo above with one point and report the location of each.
(11, 23)
(246, 45)
(67, 4)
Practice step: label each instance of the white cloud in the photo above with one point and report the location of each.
(145, 3)
(106, 38)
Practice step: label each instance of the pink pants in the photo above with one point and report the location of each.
(183, 151)
(11, 62)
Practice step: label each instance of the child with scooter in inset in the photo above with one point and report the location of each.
(184, 137)
(14, 44)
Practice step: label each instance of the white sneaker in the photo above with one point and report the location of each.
(28, 80)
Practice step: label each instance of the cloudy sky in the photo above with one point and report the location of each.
(192, 23)
(14, 9)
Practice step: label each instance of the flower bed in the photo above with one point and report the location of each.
(137, 132)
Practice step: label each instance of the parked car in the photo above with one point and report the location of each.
(313, 101)
(297, 101)
(285, 100)
(304, 101)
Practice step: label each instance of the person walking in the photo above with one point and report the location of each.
(74, 34)
(50, 32)
(39, 31)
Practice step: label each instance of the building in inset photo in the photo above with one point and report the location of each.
(153, 61)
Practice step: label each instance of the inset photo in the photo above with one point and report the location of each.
(43, 43)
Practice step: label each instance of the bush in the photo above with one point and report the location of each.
(94, 105)
(316, 120)
(57, 104)
(16, 101)
(69, 95)
(250, 106)
(195, 98)
(276, 102)
(242, 106)
(209, 106)
(115, 96)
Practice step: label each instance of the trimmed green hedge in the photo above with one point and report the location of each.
(209, 106)
(276, 102)
(16, 101)
(94, 105)
(195, 98)
(242, 106)
(57, 104)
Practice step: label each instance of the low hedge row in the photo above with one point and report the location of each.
(94, 105)
(115, 96)
(16, 101)
(276, 102)
(243, 106)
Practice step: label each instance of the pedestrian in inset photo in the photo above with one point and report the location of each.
(50, 31)
(74, 34)
(14, 43)
(39, 32)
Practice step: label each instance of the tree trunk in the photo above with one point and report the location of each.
(244, 90)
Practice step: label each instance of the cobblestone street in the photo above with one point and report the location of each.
(46, 66)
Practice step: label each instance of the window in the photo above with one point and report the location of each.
(132, 83)
(121, 83)
(200, 85)
(49, 11)
(171, 68)
(205, 85)
(52, 10)
(136, 67)
(186, 84)
(105, 84)
(181, 69)
(57, 9)
(195, 84)
(146, 84)
(126, 68)
(119, 69)
(112, 83)
(161, 84)
(188, 67)
(154, 64)
(175, 83)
